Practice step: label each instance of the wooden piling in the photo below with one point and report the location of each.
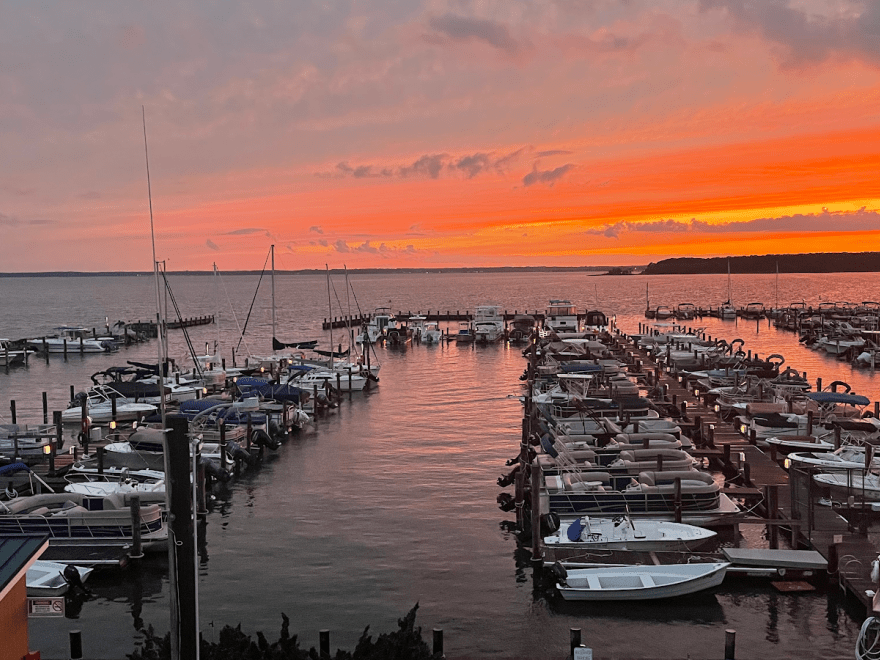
(729, 645)
(134, 504)
(536, 513)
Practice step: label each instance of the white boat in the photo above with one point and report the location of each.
(488, 324)
(844, 484)
(640, 582)
(381, 325)
(561, 317)
(73, 340)
(10, 356)
(848, 457)
(49, 578)
(100, 409)
(840, 344)
(431, 334)
(626, 533)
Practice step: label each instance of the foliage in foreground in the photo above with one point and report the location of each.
(403, 644)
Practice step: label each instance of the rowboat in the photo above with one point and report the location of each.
(638, 582)
(49, 578)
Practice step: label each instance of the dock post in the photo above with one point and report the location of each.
(12, 410)
(810, 417)
(201, 488)
(574, 640)
(250, 428)
(729, 645)
(324, 643)
(56, 443)
(747, 473)
(837, 436)
(223, 457)
(536, 513)
(45, 408)
(76, 645)
(100, 460)
(315, 397)
(134, 504)
(520, 479)
(438, 643)
(678, 499)
(771, 493)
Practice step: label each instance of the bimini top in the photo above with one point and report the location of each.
(839, 397)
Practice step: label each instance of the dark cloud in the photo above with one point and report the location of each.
(316, 229)
(244, 231)
(548, 177)
(464, 28)
(426, 165)
(434, 165)
(553, 152)
(808, 38)
(853, 221)
(366, 247)
(211, 244)
(341, 246)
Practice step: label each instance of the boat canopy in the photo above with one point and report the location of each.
(839, 397)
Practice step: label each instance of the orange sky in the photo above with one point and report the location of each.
(446, 134)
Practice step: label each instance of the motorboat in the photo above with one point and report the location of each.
(851, 482)
(66, 516)
(642, 582)
(626, 533)
(50, 578)
(382, 323)
(72, 340)
(465, 334)
(431, 333)
(521, 327)
(10, 356)
(100, 408)
(561, 317)
(847, 457)
(649, 492)
(488, 324)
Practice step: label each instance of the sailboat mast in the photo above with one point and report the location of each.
(330, 310)
(348, 304)
(272, 250)
(174, 605)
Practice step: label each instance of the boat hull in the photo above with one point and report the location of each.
(641, 582)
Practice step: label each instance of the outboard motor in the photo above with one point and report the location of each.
(239, 453)
(506, 501)
(509, 478)
(261, 439)
(213, 470)
(71, 576)
(275, 429)
(549, 523)
(559, 572)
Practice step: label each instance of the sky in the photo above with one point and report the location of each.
(435, 133)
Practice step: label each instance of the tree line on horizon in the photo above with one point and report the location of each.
(838, 262)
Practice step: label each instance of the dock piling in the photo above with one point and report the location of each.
(324, 643)
(134, 504)
(574, 635)
(438, 643)
(729, 645)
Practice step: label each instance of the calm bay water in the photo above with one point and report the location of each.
(391, 500)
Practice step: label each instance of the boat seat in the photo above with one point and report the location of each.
(39, 511)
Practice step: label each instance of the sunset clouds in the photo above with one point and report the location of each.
(436, 133)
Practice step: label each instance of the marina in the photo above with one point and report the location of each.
(411, 495)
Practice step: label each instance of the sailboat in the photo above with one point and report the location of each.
(727, 310)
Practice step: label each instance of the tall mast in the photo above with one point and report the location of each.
(272, 250)
(172, 554)
(348, 304)
(330, 311)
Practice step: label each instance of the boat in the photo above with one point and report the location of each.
(753, 311)
(626, 533)
(639, 582)
(649, 492)
(72, 339)
(431, 334)
(847, 457)
(726, 310)
(380, 326)
(844, 484)
(50, 578)
(465, 334)
(100, 408)
(10, 356)
(561, 317)
(521, 327)
(488, 324)
(66, 516)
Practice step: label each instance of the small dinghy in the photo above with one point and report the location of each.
(842, 485)
(624, 533)
(49, 578)
(638, 582)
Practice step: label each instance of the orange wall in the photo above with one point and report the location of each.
(14, 622)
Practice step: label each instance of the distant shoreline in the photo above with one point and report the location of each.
(835, 262)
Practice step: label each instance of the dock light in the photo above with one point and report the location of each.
(235, 379)
(717, 408)
(680, 379)
(112, 424)
(47, 449)
(134, 424)
(204, 390)
(697, 392)
(262, 369)
(743, 429)
(787, 463)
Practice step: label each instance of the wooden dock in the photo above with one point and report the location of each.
(438, 316)
(783, 501)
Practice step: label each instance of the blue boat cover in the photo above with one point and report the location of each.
(299, 367)
(13, 467)
(839, 397)
(574, 530)
(580, 368)
(547, 444)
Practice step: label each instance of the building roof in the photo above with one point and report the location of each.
(17, 553)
